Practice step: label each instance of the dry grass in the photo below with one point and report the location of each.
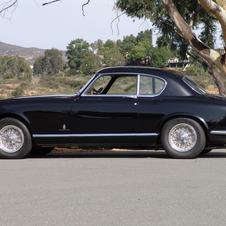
(67, 85)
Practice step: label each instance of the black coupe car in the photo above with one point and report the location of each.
(123, 107)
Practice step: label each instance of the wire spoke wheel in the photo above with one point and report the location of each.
(15, 139)
(11, 139)
(182, 137)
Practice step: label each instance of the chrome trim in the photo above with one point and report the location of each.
(86, 85)
(98, 76)
(218, 132)
(96, 135)
(138, 84)
(90, 83)
(185, 78)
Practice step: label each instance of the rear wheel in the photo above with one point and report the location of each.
(205, 151)
(15, 139)
(183, 138)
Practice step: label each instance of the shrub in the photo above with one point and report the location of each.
(191, 70)
(17, 92)
(49, 81)
(24, 85)
(72, 72)
(8, 76)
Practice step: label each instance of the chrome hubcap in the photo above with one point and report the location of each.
(182, 137)
(11, 139)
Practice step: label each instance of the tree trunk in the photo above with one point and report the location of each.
(218, 80)
(211, 57)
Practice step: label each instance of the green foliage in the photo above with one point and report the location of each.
(39, 66)
(76, 52)
(90, 63)
(72, 83)
(49, 82)
(191, 70)
(144, 36)
(191, 11)
(109, 44)
(136, 55)
(71, 72)
(8, 76)
(17, 92)
(159, 57)
(136, 49)
(24, 85)
(97, 45)
(127, 44)
(112, 57)
(55, 82)
(13, 66)
(49, 64)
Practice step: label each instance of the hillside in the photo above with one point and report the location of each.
(28, 53)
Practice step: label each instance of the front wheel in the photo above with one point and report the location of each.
(15, 139)
(183, 138)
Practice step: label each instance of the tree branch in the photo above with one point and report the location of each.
(218, 11)
(47, 3)
(7, 7)
(83, 7)
(195, 16)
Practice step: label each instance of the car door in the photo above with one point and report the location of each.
(107, 111)
(150, 108)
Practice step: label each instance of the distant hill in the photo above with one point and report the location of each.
(28, 53)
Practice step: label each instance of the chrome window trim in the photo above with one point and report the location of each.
(95, 135)
(138, 84)
(202, 91)
(87, 85)
(153, 95)
(90, 83)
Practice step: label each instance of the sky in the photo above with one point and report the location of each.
(30, 24)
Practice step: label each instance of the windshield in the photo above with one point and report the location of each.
(193, 85)
(84, 87)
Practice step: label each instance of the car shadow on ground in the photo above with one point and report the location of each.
(125, 154)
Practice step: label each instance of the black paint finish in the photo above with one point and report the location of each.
(118, 120)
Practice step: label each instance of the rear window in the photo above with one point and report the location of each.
(151, 85)
(193, 85)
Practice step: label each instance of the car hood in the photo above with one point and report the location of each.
(38, 97)
(44, 97)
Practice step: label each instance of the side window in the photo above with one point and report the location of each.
(99, 85)
(124, 85)
(113, 85)
(150, 85)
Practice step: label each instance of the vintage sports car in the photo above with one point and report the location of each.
(123, 107)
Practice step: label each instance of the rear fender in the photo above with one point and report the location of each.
(198, 119)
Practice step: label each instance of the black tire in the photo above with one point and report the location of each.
(205, 151)
(15, 139)
(183, 138)
(40, 151)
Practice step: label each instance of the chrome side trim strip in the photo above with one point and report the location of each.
(96, 135)
(218, 132)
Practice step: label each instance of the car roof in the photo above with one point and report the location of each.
(140, 69)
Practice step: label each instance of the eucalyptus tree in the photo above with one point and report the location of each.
(179, 20)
